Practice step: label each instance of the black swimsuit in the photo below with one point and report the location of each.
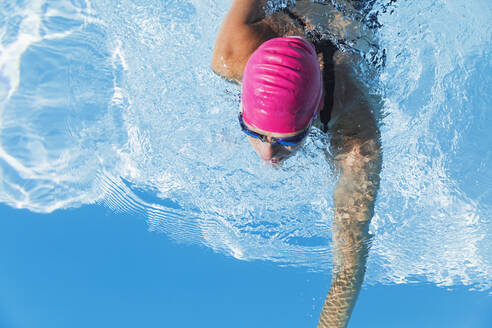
(327, 48)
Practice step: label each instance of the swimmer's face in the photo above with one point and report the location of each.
(273, 153)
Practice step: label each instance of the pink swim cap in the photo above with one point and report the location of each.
(282, 86)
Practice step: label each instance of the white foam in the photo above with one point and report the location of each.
(11, 54)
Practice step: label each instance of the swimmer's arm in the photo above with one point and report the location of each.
(242, 31)
(354, 198)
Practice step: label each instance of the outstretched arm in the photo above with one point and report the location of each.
(356, 146)
(354, 201)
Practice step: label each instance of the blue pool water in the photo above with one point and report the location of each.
(115, 104)
(91, 267)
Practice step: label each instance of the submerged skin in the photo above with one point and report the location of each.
(355, 146)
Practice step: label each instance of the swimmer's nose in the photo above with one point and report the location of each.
(267, 151)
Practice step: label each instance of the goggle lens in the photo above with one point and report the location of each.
(289, 141)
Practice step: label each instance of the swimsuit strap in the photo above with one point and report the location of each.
(327, 48)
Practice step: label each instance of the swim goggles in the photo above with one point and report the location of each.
(288, 141)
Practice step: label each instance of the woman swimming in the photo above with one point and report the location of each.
(292, 79)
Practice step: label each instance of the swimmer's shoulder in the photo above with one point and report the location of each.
(243, 30)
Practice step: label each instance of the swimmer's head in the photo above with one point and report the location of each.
(282, 86)
(281, 91)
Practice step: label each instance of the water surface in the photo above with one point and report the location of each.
(115, 104)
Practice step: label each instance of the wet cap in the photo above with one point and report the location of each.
(281, 85)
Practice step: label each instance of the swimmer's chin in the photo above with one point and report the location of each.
(274, 162)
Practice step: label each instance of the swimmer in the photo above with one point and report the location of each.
(291, 80)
